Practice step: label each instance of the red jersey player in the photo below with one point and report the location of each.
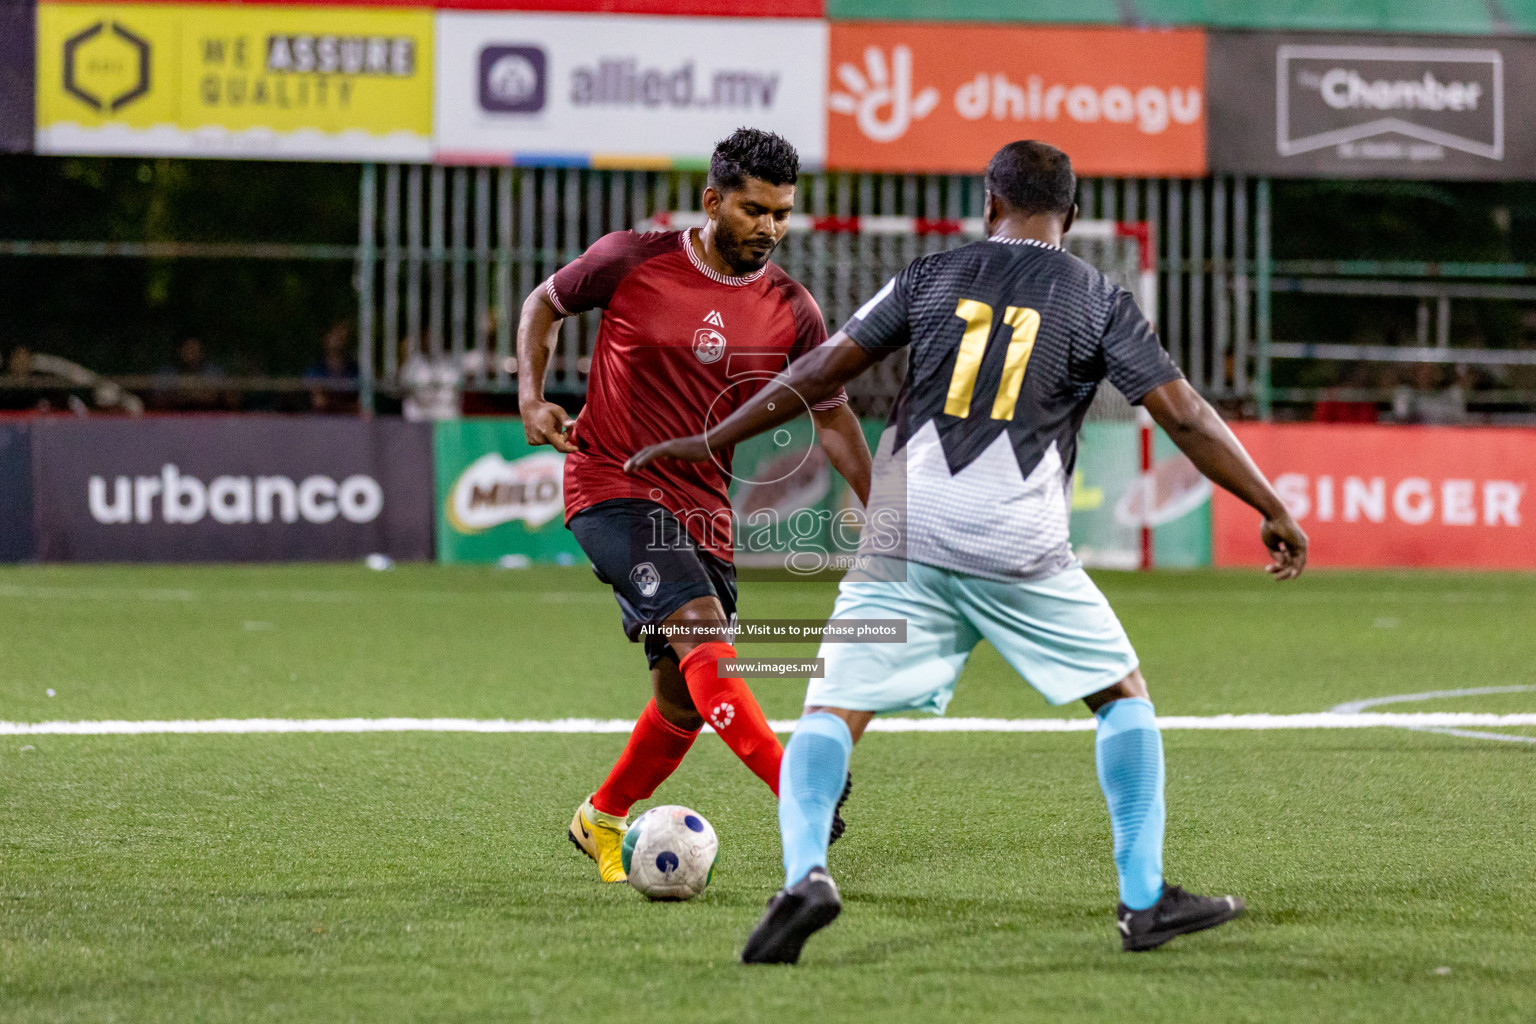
(694, 324)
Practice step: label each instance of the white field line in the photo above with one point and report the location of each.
(1317, 720)
(1357, 706)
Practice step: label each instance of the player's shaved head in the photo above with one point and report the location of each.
(752, 153)
(1032, 177)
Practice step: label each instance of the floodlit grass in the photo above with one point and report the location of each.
(426, 876)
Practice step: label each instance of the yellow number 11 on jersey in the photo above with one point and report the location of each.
(973, 345)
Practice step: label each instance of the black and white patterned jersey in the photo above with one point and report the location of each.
(1008, 343)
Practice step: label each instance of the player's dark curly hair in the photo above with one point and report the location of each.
(752, 153)
(1032, 177)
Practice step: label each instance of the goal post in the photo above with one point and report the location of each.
(1123, 249)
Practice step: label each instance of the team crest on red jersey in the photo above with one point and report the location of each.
(708, 344)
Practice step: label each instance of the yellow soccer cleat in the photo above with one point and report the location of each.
(601, 837)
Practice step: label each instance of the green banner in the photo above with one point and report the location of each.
(499, 499)
(792, 509)
(1181, 513)
(1107, 470)
(1476, 17)
(1110, 501)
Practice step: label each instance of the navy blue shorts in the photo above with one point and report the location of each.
(653, 565)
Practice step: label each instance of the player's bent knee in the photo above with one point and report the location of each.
(682, 715)
(673, 700)
(1133, 685)
(701, 620)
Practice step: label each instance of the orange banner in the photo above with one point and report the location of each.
(920, 97)
(1443, 497)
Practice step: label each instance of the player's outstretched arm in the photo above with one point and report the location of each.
(842, 438)
(538, 330)
(1199, 432)
(812, 378)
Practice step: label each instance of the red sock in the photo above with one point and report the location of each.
(729, 706)
(655, 749)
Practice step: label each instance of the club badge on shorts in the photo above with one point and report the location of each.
(645, 578)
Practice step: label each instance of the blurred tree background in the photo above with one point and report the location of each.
(1401, 220)
(126, 315)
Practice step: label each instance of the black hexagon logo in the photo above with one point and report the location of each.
(103, 47)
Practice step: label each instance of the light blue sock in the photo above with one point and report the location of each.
(1129, 752)
(810, 781)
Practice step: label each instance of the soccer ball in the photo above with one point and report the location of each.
(669, 853)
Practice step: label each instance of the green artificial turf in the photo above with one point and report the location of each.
(379, 877)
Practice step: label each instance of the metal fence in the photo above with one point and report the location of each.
(447, 255)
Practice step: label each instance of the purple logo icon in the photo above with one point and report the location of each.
(666, 862)
(512, 79)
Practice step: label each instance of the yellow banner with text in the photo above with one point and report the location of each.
(283, 82)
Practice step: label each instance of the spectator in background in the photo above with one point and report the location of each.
(1350, 401)
(21, 392)
(433, 387)
(1426, 401)
(337, 366)
(192, 383)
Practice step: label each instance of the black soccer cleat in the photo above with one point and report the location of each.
(794, 915)
(838, 825)
(1175, 913)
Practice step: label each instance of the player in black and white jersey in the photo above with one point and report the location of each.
(1008, 338)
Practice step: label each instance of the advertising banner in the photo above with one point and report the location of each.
(18, 35)
(613, 91)
(237, 80)
(231, 489)
(920, 97)
(1112, 499)
(1356, 106)
(499, 499)
(1411, 497)
(1469, 16)
(1179, 509)
(793, 511)
(16, 541)
(699, 8)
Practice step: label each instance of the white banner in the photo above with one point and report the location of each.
(618, 91)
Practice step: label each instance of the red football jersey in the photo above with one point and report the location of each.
(680, 346)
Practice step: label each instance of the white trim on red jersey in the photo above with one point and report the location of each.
(711, 272)
(549, 289)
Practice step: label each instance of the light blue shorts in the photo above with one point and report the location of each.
(1059, 633)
